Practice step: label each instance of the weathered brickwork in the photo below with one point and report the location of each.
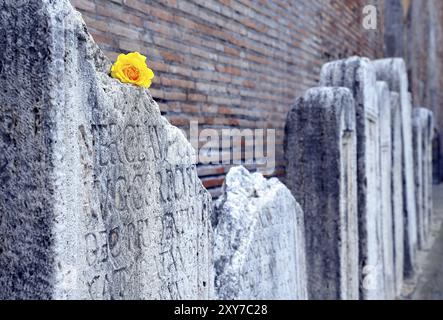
(233, 63)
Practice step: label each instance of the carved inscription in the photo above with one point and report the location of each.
(143, 221)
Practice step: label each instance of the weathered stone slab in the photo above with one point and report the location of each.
(397, 190)
(422, 138)
(320, 149)
(358, 75)
(428, 134)
(418, 144)
(259, 249)
(99, 195)
(393, 71)
(387, 227)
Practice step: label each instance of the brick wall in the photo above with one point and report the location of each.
(232, 63)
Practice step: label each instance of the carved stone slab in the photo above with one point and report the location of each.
(259, 249)
(99, 196)
(320, 149)
(358, 75)
(393, 71)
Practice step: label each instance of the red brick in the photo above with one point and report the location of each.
(121, 16)
(196, 97)
(170, 56)
(125, 31)
(178, 83)
(102, 38)
(212, 182)
(138, 5)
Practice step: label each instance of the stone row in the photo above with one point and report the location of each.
(359, 161)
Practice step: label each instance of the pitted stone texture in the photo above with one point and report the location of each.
(397, 190)
(393, 71)
(26, 187)
(259, 249)
(100, 197)
(320, 149)
(358, 75)
(384, 100)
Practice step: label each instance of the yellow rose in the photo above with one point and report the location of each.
(132, 68)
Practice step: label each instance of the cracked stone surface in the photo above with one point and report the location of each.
(99, 194)
(258, 240)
